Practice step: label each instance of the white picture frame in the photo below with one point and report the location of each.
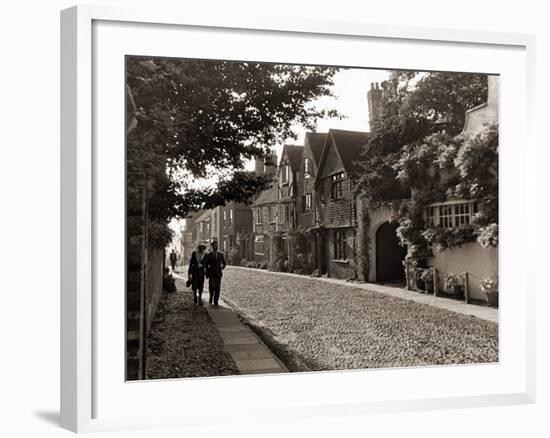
(82, 369)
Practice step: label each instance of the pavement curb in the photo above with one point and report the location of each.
(485, 313)
(246, 348)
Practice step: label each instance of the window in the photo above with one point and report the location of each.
(224, 216)
(214, 222)
(337, 186)
(307, 168)
(446, 216)
(259, 246)
(339, 245)
(281, 214)
(258, 216)
(430, 216)
(462, 215)
(271, 214)
(284, 174)
(308, 204)
(450, 214)
(230, 216)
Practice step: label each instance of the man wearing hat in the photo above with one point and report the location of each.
(215, 264)
(195, 273)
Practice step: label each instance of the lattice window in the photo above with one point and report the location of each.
(462, 215)
(337, 186)
(451, 214)
(307, 168)
(446, 216)
(259, 246)
(339, 245)
(308, 201)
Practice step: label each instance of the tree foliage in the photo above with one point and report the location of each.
(414, 106)
(416, 154)
(204, 119)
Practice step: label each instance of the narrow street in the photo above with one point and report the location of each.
(332, 326)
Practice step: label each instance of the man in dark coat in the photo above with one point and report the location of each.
(196, 273)
(215, 264)
(173, 259)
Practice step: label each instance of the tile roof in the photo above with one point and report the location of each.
(206, 215)
(349, 145)
(268, 196)
(316, 142)
(294, 154)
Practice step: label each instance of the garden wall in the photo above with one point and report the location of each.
(470, 257)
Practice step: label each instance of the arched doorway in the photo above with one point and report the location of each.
(389, 254)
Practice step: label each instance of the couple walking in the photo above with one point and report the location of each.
(209, 265)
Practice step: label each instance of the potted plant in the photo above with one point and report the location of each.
(427, 277)
(489, 286)
(455, 284)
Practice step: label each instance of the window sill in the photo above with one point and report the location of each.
(341, 261)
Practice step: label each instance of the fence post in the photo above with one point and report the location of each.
(407, 276)
(466, 288)
(434, 279)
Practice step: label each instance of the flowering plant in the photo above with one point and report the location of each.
(427, 275)
(489, 285)
(452, 280)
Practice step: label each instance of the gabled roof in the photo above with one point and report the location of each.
(348, 145)
(206, 215)
(316, 141)
(268, 196)
(294, 154)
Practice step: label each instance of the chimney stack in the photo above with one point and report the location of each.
(266, 167)
(374, 97)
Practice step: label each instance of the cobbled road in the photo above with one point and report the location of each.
(331, 327)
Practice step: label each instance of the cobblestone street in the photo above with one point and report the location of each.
(331, 326)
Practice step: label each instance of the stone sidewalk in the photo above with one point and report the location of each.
(245, 347)
(481, 312)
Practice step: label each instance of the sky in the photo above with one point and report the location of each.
(350, 99)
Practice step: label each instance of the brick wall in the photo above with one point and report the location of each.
(135, 284)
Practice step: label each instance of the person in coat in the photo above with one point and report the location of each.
(215, 264)
(196, 273)
(173, 259)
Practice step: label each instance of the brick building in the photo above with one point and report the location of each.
(235, 236)
(264, 212)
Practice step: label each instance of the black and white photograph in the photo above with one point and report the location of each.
(290, 218)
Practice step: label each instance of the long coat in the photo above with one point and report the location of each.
(195, 272)
(215, 263)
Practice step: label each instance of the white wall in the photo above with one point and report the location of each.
(479, 262)
(29, 178)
